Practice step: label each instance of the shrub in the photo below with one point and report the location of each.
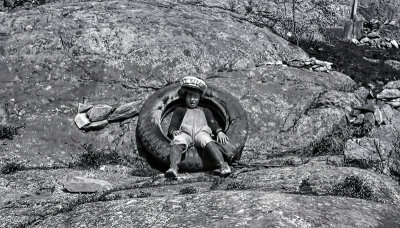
(216, 182)
(334, 144)
(11, 168)
(95, 158)
(143, 194)
(236, 186)
(188, 190)
(8, 132)
(353, 187)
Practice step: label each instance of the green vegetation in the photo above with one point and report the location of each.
(188, 190)
(334, 144)
(8, 132)
(354, 187)
(11, 167)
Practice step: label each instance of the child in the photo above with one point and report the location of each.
(193, 125)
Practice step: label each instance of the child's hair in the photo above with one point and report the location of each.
(183, 91)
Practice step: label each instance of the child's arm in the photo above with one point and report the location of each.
(176, 121)
(216, 129)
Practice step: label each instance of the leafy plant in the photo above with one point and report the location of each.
(95, 158)
(334, 144)
(188, 190)
(11, 167)
(354, 187)
(8, 132)
(236, 185)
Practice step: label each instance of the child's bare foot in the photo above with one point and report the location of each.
(172, 173)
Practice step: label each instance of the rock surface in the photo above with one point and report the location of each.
(113, 51)
(99, 112)
(97, 125)
(86, 185)
(389, 94)
(125, 111)
(81, 120)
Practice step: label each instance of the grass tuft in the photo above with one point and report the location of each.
(188, 190)
(354, 187)
(12, 167)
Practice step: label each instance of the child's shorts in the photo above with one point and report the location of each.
(200, 140)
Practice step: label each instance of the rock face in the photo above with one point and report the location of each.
(110, 52)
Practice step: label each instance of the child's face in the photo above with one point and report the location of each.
(192, 98)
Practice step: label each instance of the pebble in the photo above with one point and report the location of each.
(392, 85)
(394, 43)
(99, 112)
(378, 116)
(98, 125)
(373, 35)
(359, 120)
(81, 120)
(389, 94)
(125, 111)
(84, 107)
(369, 118)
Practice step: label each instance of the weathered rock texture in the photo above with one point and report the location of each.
(116, 52)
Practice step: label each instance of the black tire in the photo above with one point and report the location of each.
(153, 143)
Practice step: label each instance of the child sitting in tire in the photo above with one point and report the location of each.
(194, 125)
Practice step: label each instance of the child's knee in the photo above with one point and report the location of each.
(202, 139)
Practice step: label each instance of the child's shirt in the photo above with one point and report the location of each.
(193, 121)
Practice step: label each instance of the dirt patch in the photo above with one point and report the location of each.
(363, 64)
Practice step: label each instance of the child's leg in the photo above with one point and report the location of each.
(178, 145)
(204, 140)
(176, 155)
(214, 153)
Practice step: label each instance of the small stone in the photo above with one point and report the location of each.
(362, 93)
(394, 43)
(369, 118)
(365, 40)
(86, 185)
(392, 85)
(81, 120)
(84, 107)
(99, 112)
(394, 103)
(97, 125)
(373, 35)
(355, 112)
(321, 69)
(125, 111)
(387, 113)
(335, 161)
(359, 120)
(389, 94)
(392, 22)
(367, 108)
(389, 44)
(354, 41)
(378, 116)
(342, 122)
(29, 27)
(374, 21)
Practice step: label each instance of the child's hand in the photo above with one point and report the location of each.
(176, 132)
(222, 138)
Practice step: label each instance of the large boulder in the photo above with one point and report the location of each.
(288, 108)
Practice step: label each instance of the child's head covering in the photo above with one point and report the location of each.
(194, 83)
